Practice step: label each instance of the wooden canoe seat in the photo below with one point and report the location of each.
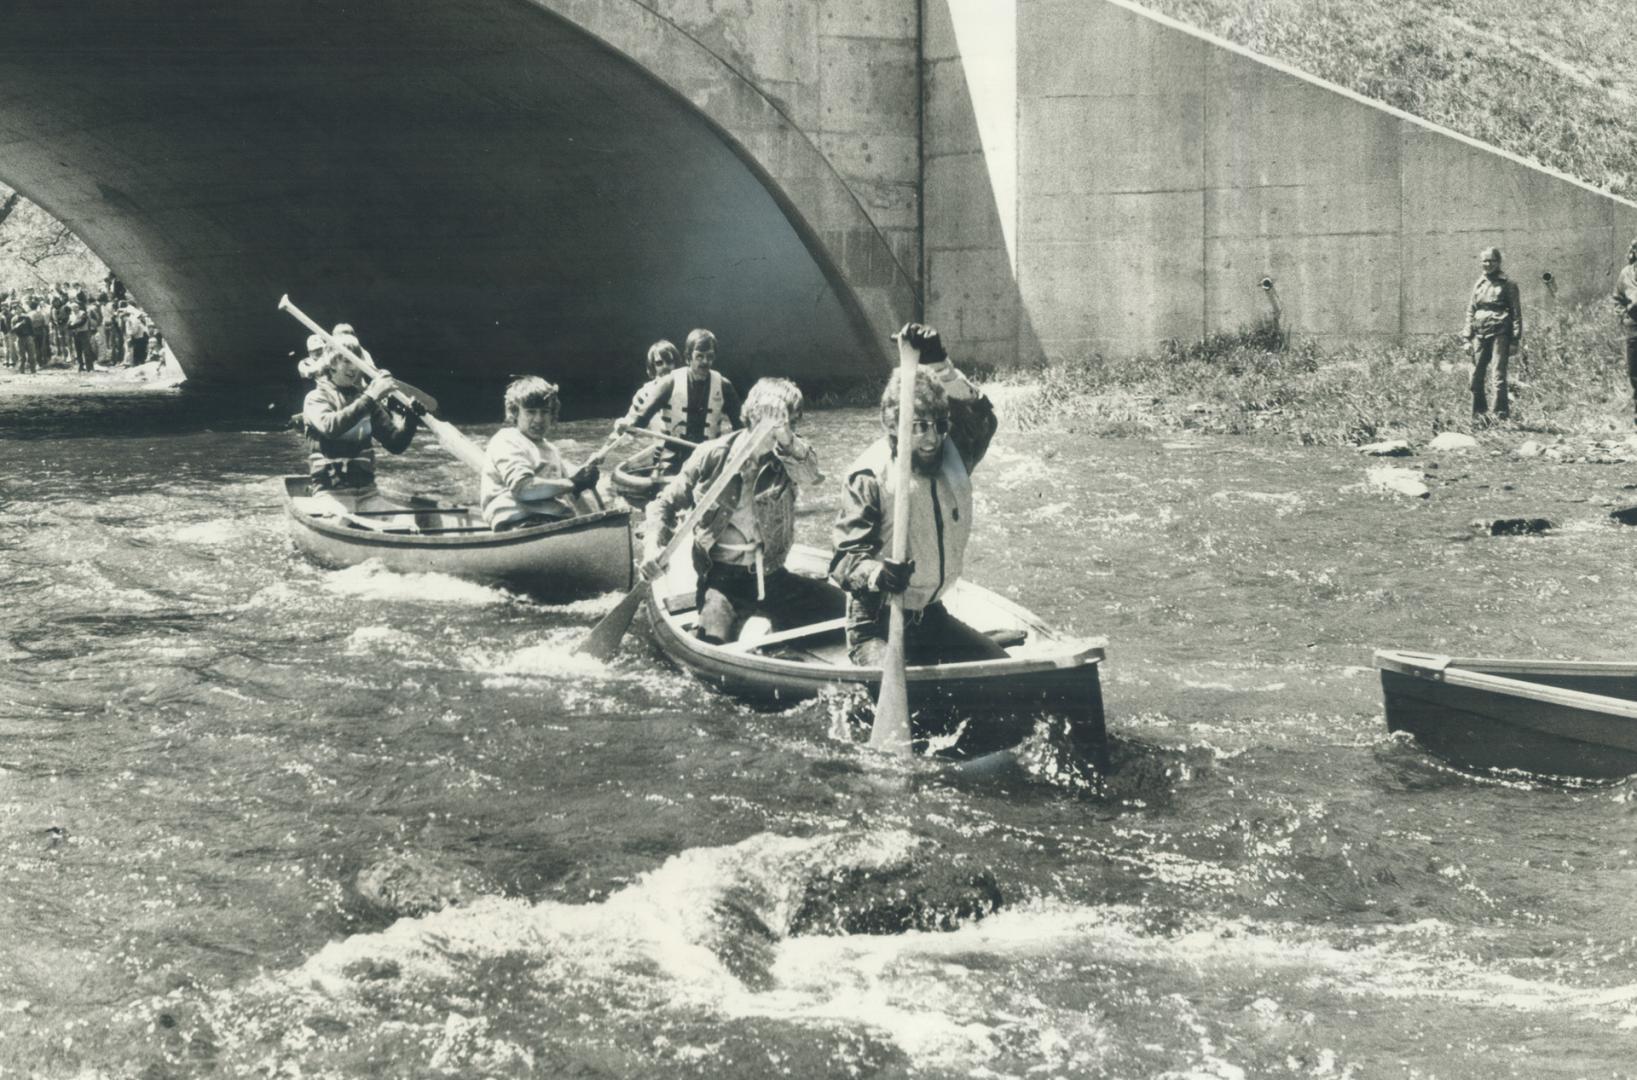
(1008, 637)
(681, 603)
(795, 633)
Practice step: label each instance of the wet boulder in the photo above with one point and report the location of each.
(1515, 526)
(407, 884)
(935, 894)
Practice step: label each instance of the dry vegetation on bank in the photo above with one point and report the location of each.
(1569, 379)
(1548, 80)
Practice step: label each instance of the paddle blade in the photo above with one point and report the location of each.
(604, 640)
(890, 732)
(456, 443)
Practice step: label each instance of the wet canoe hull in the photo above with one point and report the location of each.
(585, 556)
(638, 479)
(1545, 717)
(992, 704)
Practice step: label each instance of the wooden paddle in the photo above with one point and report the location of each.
(447, 434)
(657, 436)
(890, 732)
(604, 639)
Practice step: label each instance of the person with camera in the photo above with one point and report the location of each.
(953, 425)
(740, 545)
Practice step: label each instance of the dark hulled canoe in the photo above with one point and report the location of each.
(998, 701)
(1562, 718)
(584, 556)
(638, 479)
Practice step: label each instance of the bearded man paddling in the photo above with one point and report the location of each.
(953, 425)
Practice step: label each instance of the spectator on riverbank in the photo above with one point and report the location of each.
(39, 317)
(1625, 298)
(1494, 330)
(79, 333)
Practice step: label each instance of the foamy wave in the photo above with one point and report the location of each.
(373, 581)
(368, 640)
(553, 657)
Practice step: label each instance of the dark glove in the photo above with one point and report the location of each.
(926, 340)
(586, 477)
(894, 576)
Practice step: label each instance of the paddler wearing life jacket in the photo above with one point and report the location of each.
(954, 423)
(662, 359)
(522, 472)
(696, 402)
(343, 416)
(739, 547)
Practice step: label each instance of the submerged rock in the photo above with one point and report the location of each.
(1398, 481)
(935, 895)
(408, 884)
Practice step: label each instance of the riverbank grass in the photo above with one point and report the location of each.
(1568, 379)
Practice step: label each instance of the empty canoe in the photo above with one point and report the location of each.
(1562, 718)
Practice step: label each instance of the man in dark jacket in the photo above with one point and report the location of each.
(1494, 329)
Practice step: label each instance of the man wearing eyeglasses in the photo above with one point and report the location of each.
(953, 425)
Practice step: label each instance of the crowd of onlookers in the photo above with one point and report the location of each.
(67, 323)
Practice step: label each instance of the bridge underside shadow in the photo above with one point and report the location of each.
(481, 188)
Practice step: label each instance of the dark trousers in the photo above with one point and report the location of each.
(931, 636)
(84, 357)
(1631, 368)
(727, 597)
(1498, 348)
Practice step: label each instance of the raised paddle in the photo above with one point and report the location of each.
(605, 637)
(890, 732)
(447, 434)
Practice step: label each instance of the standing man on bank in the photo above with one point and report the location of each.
(1625, 298)
(1494, 329)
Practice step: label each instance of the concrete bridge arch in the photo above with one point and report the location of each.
(484, 188)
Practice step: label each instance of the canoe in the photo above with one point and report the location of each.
(638, 479)
(1556, 718)
(960, 710)
(583, 556)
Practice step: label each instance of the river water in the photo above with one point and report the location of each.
(206, 743)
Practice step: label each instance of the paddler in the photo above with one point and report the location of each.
(662, 359)
(954, 423)
(343, 416)
(523, 474)
(696, 402)
(740, 547)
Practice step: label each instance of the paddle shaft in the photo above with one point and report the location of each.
(447, 434)
(890, 732)
(605, 637)
(657, 436)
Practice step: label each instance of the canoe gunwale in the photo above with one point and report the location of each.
(342, 533)
(1460, 672)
